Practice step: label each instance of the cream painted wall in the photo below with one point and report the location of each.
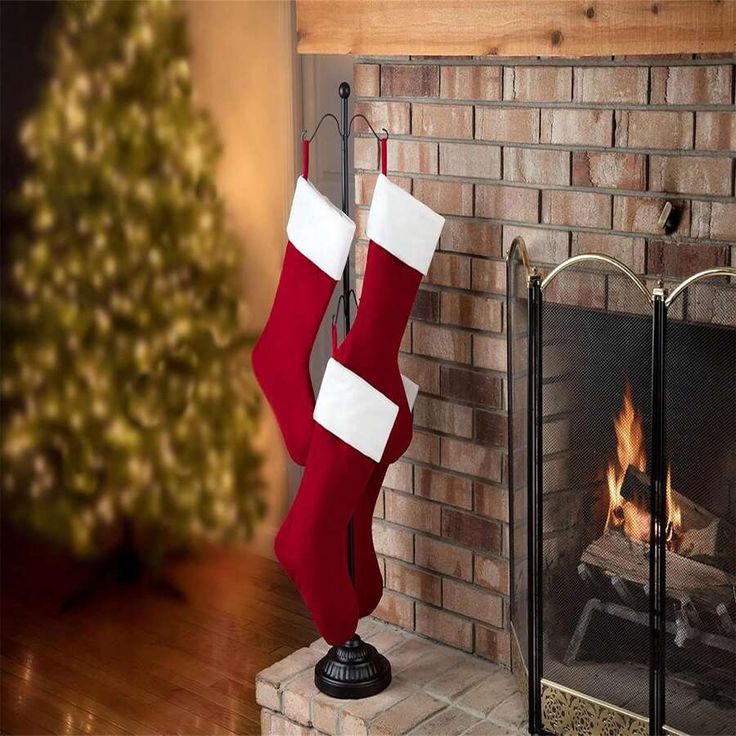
(246, 74)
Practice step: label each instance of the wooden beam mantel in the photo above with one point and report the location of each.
(570, 28)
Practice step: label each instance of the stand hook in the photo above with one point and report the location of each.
(362, 117)
(319, 124)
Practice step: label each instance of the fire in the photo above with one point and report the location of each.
(624, 513)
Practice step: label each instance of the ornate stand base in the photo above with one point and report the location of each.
(352, 671)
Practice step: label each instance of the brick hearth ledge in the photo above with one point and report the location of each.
(435, 690)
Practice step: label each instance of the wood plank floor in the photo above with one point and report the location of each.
(134, 660)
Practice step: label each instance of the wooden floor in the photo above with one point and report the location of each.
(134, 660)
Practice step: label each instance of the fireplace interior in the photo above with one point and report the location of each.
(597, 425)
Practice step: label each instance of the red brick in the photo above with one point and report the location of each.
(366, 80)
(412, 512)
(690, 174)
(489, 276)
(666, 258)
(507, 203)
(442, 121)
(405, 80)
(471, 311)
(611, 84)
(715, 131)
(414, 582)
(471, 459)
(654, 129)
(630, 251)
(472, 531)
(442, 343)
(412, 156)
(399, 476)
(443, 416)
(422, 372)
(448, 269)
(577, 127)
(544, 246)
(472, 386)
(608, 170)
(394, 116)
(536, 166)
(493, 644)
(445, 627)
(361, 220)
(426, 306)
(396, 609)
(366, 183)
(475, 160)
(379, 511)
(690, 85)
(576, 208)
(406, 339)
(491, 573)
(479, 237)
(393, 541)
(365, 153)
(489, 352)
(470, 82)
(723, 221)
(508, 125)
(491, 428)
(443, 557)
(424, 448)
(447, 489)
(640, 215)
(361, 254)
(578, 288)
(472, 602)
(445, 197)
(537, 83)
(491, 501)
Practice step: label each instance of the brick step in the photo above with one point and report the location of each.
(435, 690)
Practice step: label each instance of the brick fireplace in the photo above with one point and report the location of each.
(575, 156)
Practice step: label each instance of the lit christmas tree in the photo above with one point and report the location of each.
(127, 397)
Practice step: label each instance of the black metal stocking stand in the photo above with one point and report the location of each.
(355, 669)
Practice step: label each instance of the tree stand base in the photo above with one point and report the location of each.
(352, 671)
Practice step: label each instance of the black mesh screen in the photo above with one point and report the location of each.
(596, 365)
(517, 333)
(701, 556)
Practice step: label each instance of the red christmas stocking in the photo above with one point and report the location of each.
(353, 436)
(353, 421)
(319, 242)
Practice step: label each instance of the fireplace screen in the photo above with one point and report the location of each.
(631, 447)
(700, 363)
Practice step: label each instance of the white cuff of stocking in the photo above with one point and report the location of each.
(319, 230)
(411, 390)
(403, 225)
(355, 412)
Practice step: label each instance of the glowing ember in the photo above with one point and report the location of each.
(624, 513)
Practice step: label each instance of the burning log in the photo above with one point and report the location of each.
(688, 581)
(702, 535)
(636, 488)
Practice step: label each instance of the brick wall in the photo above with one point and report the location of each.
(575, 156)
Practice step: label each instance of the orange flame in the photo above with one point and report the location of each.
(630, 450)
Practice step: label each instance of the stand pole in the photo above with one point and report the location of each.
(344, 92)
(355, 669)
